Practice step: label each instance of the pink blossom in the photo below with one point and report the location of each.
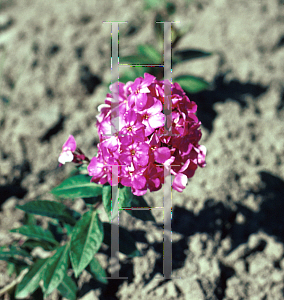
(140, 146)
(67, 150)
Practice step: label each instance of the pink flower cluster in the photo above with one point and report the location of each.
(138, 147)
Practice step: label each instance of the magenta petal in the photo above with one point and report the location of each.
(70, 144)
(162, 154)
(180, 182)
(148, 79)
(95, 168)
(157, 120)
(141, 101)
(155, 108)
(139, 182)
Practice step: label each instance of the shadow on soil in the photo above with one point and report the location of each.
(216, 218)
(223, 91)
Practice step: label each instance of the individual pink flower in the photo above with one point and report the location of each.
(152, 117)
(139, 90)
(68, 149)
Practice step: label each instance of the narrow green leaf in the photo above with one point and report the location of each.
(191, 84)
(153, 4)
(11, 268)
(124, 198)
(31, 244)
(183, 55)
(92, 200)
(50, 209)
(86, 240)
(107, 200)
(29, 219)
(97, 271)
(132, 60)
(36, 232)
(79, 186)
(68, 288)
(150, 53)
(31, 280)
(126, 242)
(14, 251)
(13, 260)
(138, 201)
(57, 266)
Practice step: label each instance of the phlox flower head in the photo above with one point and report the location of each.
(133, 142)
(139, 148)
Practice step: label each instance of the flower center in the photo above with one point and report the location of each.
(132, 152)
(146, 117)
(129, 128)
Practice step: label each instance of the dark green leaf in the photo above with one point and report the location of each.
(31, 244)
(31, 280)
(13, 260)
(126, 242)
(132, 73)
(57, 266)
(138, 201)
(183, 55)
(150, 53)
(131, 59)
(191, 84)
(107, 200)
(159, 27)
(36, 232)
(68, 228)
(124, 199)
(171, 8)
(50, 209)
(29, 219)
(68, 288)
(14, 251)
(79, 186)
(97, 271)
(86, 240)
(11, 268)
(153, 4)
(92, 200)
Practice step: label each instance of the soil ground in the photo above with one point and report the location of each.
(228, 225)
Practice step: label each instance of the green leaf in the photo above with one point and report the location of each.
(31, 244)
(57, 266)
(92, 200)
(191, 84)
(13, 260)
(132, 73)
(29, 219)
(130, 59)
(126, 242)
(11, 268)
(149, 52)
(50, 209)
(14, 251)
(107, 200)
(79, 186)
(86, 240)
(138, 201)
(124, 198)
(31, 280)
(153, 4)
(68, 288)
(95, 269)
(36, 232)
(183, 55)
